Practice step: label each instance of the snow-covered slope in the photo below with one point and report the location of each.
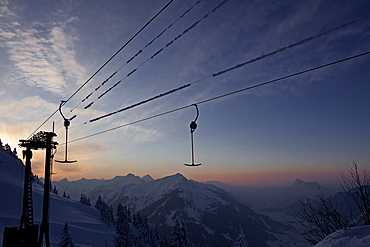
(84, 222)
(211, 215)
(355, 237)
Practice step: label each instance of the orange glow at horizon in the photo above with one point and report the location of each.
(273, 176)
(77, 171)
(89, 167)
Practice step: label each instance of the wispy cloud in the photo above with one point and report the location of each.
(42, 55)
(4, 11)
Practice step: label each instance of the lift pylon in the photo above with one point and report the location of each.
(26, 235)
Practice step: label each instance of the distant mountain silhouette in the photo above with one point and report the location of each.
(300, 184)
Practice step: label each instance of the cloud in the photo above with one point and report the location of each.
(4, 11)
(17, 110)
(7, 35)
(20, 115)
(42, 54)
(140, 134)
(63, 47)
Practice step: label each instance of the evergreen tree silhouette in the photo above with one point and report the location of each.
(240, 241)
(124, 236)
(66, 240)
(179, 236)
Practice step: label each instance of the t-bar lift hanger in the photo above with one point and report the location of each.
(67, 122)
(193, 126)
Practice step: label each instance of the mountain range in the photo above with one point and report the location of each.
(211, 216)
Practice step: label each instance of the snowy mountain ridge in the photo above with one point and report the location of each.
(212, 217)
(138, 192)
(210, 214)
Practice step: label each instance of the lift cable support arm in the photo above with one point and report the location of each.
(67, 123)
(193, 126)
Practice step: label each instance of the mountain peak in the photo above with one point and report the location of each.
(298, 183)
(129, 175)
(179, 176)
(147, 178)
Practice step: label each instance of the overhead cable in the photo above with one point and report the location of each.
(284, 77)
(140, 103)
(238, 65)
(161, 33)
(290, 46)
(226, 70)
(132, 58)
(224, 95)
(78, 89)
(158, 52)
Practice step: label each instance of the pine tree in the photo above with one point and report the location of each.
(124, 234)
(106, 212)
(66, 240)
(85, 200)
(110, 217)
(55, 190)
(241, 241)
(64, 194)
(142, 230)
(98, 203)
(164, 242)
(153, 238)
(179, 236)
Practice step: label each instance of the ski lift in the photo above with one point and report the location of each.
(67, 122)
(193, 126)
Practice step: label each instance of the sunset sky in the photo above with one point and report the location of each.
(308, 126)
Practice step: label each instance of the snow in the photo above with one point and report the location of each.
(141, 192)
(84, 222)
(355, 237)
(87, 229)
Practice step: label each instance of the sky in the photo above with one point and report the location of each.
(308, 126)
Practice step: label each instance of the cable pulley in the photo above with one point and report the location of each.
(193, 126)
(67, 123)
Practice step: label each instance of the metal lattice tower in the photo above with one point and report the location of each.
(26, 235)
(27, 209)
